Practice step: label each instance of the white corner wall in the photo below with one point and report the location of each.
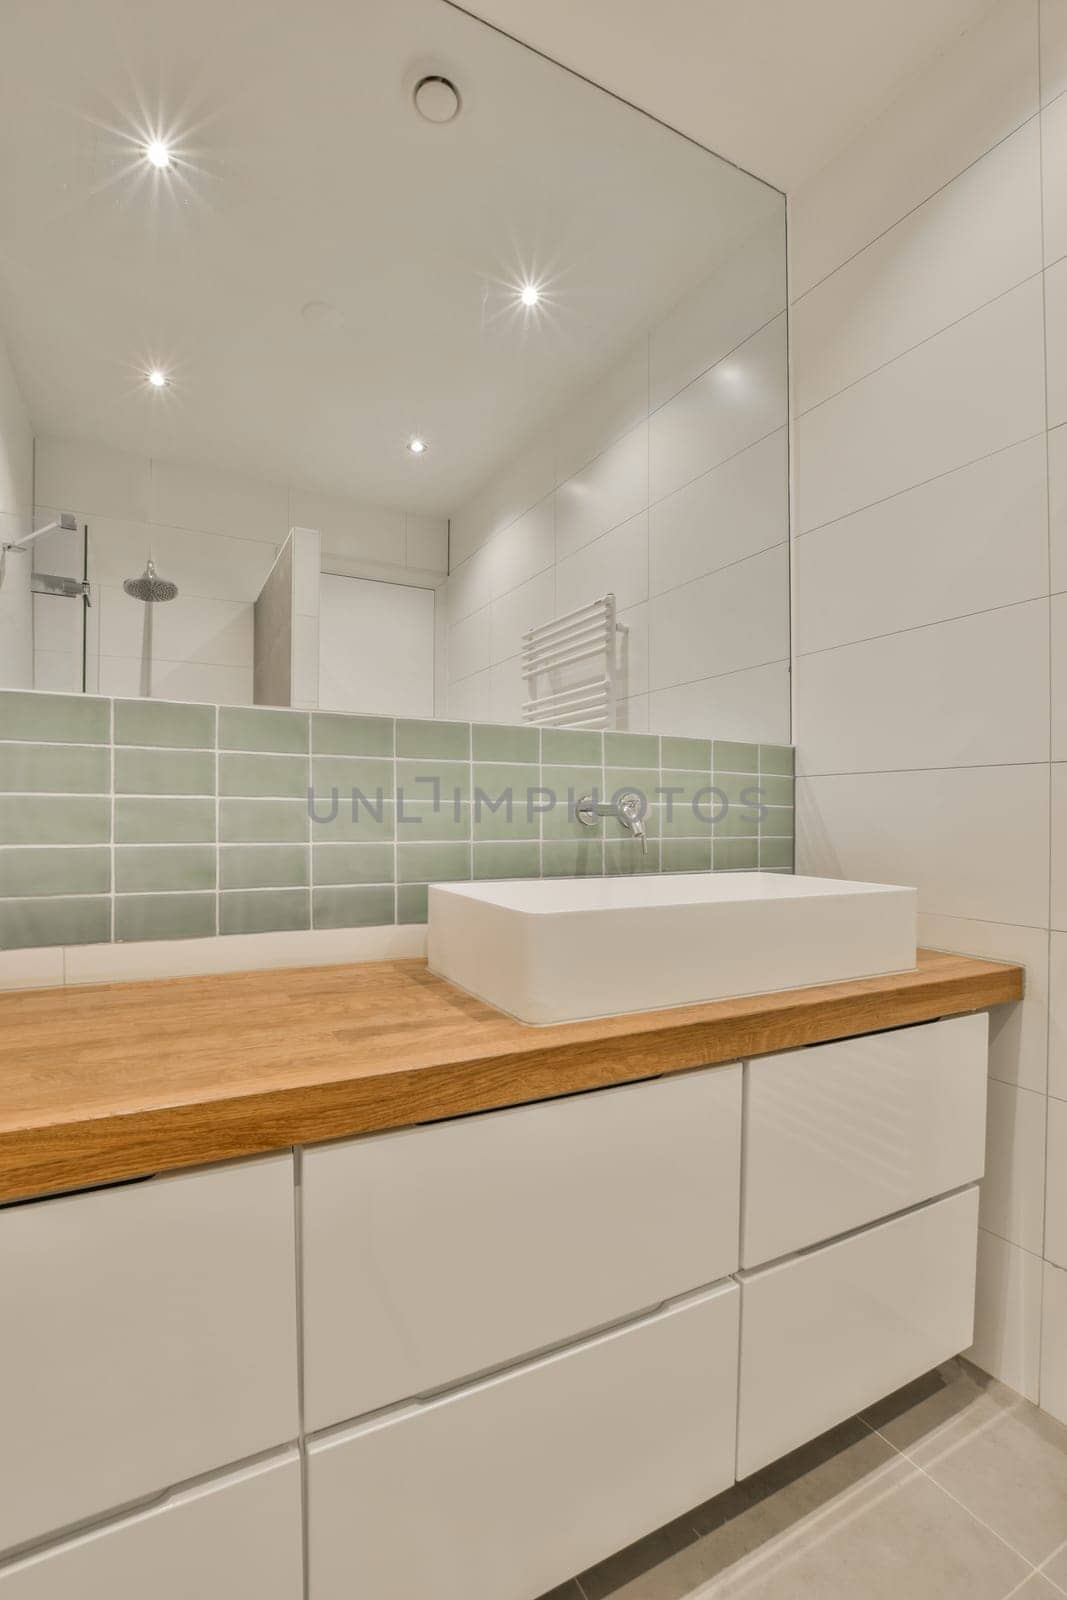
(929, 346)
(16, 508)
(666, 483)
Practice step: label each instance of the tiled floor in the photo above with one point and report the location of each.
(953, 1489)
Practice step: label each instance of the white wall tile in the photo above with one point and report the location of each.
(971, 692)
(356, 532)
(1017, 1033)
(1056, 1191)
(615, 563)
(974, 841)
(520, 484)
(1054, 177)
(1013, 1189)
(214, 500)
(1058, 631)
(631, 653)
(731, 512)
(727, 621)
(610, 407)
(1053, 49)
(1057, 474)
(972, 389)
(92, 481)
(968, 541)
(608, 491)
(527, 606)
(522, 550)
(752, 705)
(745, 292)
(468, 644)
(1007, 1332)
(974, 239)
(177, 680)
(507, 691)
(632, 714)
(16, 444)
(469, 586)
(218, 632)
(205, 565)
(945, 117)
(1056, 341)
(735, 403)
(305, 679)
(1059, 846)
(426, 542)
(1057, 1040)
(1054, 1344)
(467, 698)
(57, 670)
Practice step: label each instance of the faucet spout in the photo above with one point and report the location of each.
(628, 809)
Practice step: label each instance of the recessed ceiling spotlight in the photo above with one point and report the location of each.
(158, 378)
(436, 99)
(158, 153)
(417, 446)
(530, 294)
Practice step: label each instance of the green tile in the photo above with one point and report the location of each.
(685, 855)
(507, 861)
(572, 780)
(777, 823)
(624, 858)
(777, 758)
(740, 822)
(679, 789)
(354, 908)
(498, 742)
(437, 741)
(363, 823)
(370, 775)
(263, 821)
(521, 821)
(727, 756)
(493, 778)
(614, 829)
(157, 820)
(740, 790)
(411, 903)
(577, 858)
(433, 781)
(259, 728)
(72, 870)
(54, 769)
(572, 747)
(25, 924)
(161, 722)
(691, 755)
(335, 735)
(735, 855)
(264, 911)
(686, 822)
(353, 863)
(54, 718)
(264, 866)
(632, 780)
(562, 821)
(631, 750)
(432, 863)
(144, 869)
(283, 776)
(777, 791)
(172, 772)
(776, 855)
(422, 823)
(164, 916)
(55, 819)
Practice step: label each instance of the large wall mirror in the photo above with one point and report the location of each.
(342, 350)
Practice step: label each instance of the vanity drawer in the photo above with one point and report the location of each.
(236, 1536)
(502, 1490)
(839, 1135)
(435, 1253)
(149, 1335)
(827, 1333)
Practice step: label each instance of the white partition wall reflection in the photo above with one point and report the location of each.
(376, 647)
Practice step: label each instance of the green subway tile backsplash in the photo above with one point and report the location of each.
(197, 820)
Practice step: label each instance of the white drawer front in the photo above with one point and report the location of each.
(505, 1489)
(436, 1253)
(237, 1538)
(149, 1336)
(827, 1333)
(839, 1135)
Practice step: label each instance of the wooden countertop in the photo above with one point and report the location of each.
(117, 1080)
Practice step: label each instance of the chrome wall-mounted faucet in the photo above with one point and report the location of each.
(627, 809)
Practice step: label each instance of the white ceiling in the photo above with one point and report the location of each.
(323, 273)
(775, 85)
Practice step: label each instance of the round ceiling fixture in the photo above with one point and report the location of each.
(158, 153)
(417, 445)
(436, 99)
(158, 378)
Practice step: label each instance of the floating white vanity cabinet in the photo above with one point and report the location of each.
(148, 1335)
(504, 1489)
(828, 1332)
(838, 1135)
(235, 1538)
(439, 1252)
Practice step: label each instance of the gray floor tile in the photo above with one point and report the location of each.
(1000, 1456)
(1056, 1569)
(1037, 1588)
(947, 1403)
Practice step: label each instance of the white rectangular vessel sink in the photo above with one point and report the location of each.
(557, 949)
